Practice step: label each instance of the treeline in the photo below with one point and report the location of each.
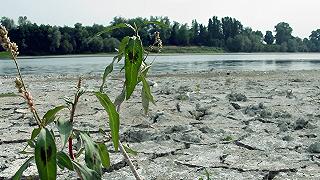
(226, 33)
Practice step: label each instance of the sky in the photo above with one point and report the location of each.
(302, 15)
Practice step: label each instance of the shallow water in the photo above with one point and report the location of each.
(168, 63)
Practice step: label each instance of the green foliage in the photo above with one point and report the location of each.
(18, 174)
(104, 155)
(133, 60)
(45, 155)
(146, 94)
(130, 150)
(268, 38)
(92, 155)
(50, 116)
(65, 129)
(114, 121)
(64, 161)
(283, 33)
(36, 39)
(107, 71)
(121, 97)
(96, 154)
(85, 172)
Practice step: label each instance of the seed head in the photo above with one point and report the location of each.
(7, 44)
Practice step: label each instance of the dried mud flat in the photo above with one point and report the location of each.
(236, 125)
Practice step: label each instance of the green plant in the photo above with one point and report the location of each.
(42, 144)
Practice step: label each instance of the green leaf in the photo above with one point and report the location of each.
(145, 101)
(65, 130)
(107, 71)
(121, 97)
(85, 172)
(129, 150)
(92, 156)
(104, 155)
(122, 47)
(133, 60)
(111, 28)
(64, 161)
(18, 174)
(45, 155)
(31, 143)
(114, 121)
(146, 95)
(146, 88)
(35, 133)
(50, 116)
(5, 55)
(2, 95)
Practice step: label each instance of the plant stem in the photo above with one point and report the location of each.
(34, 111)
(70, 148)
(126, 156)
(72, 112)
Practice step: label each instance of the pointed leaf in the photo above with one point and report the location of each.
(5, 55)
(104, 155)
(65, 130)
(133, 60)
(45, 155)
(85, 172)
(51, 115)
(145, 101)
(18, 174)
(122, 47)
(107, 71)
(64, 161)
(130, 150)
(114, 121)
(92, 157)
(146, 88)
(31, 143)
(35, 133)
(121, 97)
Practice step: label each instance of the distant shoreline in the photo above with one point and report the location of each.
(158, 54)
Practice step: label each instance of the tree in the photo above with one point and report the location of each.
(183, 35)
(231, 27)
(174, 34)
(8, 23)
(110, 44)
(268, 38)
(194, 33)
(23, 20)
(215, 32)
(54, 36)
(95, 44)
(283, 33)
(314, 43)
(292, 45)
(203, 35)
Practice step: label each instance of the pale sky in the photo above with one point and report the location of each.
(302, 15)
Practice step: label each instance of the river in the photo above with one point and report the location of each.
(167, 63)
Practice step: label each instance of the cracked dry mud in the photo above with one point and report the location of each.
(237, 125)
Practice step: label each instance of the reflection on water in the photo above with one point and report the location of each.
(164, 64)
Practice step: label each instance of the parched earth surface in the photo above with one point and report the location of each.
(234, 125)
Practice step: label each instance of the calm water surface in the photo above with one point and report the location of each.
(168, 63)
